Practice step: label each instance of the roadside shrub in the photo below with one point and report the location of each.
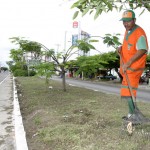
(32, 73)
(20, 72)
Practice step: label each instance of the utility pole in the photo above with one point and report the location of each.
(65, 40)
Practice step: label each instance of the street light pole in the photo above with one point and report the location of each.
(65, 40)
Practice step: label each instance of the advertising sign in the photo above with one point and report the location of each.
(75, 24)
(74, 39)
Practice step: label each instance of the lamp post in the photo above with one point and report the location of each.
(57, 48)
(67, 39)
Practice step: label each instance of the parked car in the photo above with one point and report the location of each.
(109, 77)
(145, 78)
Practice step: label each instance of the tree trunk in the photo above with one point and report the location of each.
(64, 82)
(63, 79)
(82, 75)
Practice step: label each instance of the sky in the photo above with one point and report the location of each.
(50, 21)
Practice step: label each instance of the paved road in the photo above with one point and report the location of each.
(143, 93)
(7, 134)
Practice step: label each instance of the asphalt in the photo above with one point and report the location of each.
(12, 134)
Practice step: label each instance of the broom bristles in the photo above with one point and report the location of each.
(138, 117)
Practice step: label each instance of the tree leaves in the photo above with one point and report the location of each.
(86, 10)
(75, 14)
(85, 46)
(99, 6)
(112, 40)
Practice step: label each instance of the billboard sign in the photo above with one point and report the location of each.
(74, 39)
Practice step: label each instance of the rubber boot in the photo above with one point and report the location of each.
(131, 106)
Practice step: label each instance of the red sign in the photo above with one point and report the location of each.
(75, 24)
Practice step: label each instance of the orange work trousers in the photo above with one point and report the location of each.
(134, 78)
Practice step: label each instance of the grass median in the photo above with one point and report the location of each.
(78, 119)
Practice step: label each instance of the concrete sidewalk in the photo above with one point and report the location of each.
(12, 134)
(7, 134)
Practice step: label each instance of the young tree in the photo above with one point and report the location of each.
(60, 59)
(113, 41)
(45, 69)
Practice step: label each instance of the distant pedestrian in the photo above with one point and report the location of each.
(133, 53)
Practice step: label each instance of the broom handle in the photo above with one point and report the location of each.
(128, 81)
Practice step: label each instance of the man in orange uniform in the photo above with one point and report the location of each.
(133, 54)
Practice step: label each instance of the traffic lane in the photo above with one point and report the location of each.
(142, 95)
(109, 89)
(3, 75)
(102, 87)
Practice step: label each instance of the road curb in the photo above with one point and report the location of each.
(20, 134)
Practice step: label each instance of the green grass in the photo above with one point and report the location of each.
(78, 119)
